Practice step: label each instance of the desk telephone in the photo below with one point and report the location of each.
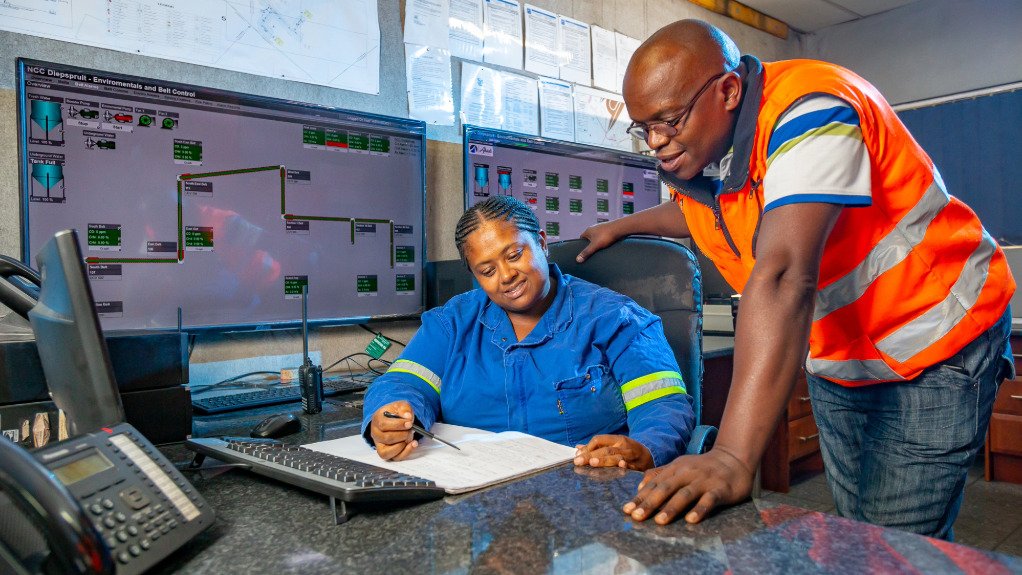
(105, 500)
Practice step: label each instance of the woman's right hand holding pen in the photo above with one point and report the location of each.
(394, 438)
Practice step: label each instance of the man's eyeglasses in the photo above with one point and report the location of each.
(669, 128)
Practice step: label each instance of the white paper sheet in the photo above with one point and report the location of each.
(604, 59)
(430, 92)
(557, 113)
(333, 43)
(481, 96)
(625, 46)
(427, 23)
(576, 53)
(502, 33)
(466, 29)
(485, 457)
(521, 104)
(541, 41)
(601, 119)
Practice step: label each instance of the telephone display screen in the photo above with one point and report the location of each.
(84, 468)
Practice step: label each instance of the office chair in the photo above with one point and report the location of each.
(663, 277)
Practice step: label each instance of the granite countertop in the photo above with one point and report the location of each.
(559, 521)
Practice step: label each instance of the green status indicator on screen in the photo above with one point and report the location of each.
(188, 150)
(628, 208)
(336, 139)
(553, 204)
(405, 282)
(575, 182)
(404, 254)
(575, 206)
(603, 205)
(553, 229)
(358, 141)
(314, 136)
(293, 285)
(602, 186)
(366, 284)
(104, 235)
(553, 180)
(198, 237)
(380, 144)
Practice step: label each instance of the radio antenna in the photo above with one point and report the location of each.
(310, 377)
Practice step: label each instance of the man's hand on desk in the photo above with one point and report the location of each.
(705, 481)
(614, 451)
(394, 438)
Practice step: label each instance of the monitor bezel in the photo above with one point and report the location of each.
(412, 127)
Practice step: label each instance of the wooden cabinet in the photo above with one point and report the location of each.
(1003, 452)
(795, 446)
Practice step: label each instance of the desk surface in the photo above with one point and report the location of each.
(560, 521)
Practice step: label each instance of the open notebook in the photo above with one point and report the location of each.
(485, 457)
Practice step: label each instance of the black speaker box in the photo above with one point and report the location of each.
(141, 361)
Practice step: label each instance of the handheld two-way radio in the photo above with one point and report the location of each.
(310, 377)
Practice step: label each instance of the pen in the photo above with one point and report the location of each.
(421, 430)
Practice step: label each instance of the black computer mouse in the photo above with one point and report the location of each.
(277, 425)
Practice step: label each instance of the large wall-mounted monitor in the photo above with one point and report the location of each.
(221, 205)
(570, 186)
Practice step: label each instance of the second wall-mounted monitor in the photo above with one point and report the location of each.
(221, 205)
(568, 185)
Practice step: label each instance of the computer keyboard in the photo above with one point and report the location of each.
(344, 479)
(332, 385)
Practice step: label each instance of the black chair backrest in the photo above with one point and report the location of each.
(661, 276)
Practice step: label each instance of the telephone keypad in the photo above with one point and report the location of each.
(147, 499)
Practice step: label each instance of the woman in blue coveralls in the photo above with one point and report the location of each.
(535, 351)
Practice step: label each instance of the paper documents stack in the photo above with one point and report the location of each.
(485, 457)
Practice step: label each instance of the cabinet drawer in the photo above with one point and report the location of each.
(1009, 398)
(803, 437)
(1006, 434)
(798, 404)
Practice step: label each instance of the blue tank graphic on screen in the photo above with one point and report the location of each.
(47, 125)
(504, 180)
(47, 182)
(481, 180)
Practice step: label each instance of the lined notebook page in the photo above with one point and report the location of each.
(485, 457)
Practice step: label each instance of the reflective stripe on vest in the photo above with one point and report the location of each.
(888, 252)
(418, 370)
(652, 386)
(925, 330)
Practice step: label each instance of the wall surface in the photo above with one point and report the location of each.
(636, 18)
(930, 48)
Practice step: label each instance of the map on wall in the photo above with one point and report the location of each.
(334, 43)
(601, 119)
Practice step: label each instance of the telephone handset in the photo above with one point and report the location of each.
(19, 285)
(104, 502)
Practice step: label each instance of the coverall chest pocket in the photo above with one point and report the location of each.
(590, 402)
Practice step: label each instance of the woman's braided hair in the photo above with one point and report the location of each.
(505, 208)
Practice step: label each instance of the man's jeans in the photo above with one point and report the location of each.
(897, 454)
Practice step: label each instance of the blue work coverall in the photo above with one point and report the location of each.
(596, 363)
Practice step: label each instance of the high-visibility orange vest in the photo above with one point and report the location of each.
(904, 283)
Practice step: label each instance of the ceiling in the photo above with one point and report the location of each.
(812, 15)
